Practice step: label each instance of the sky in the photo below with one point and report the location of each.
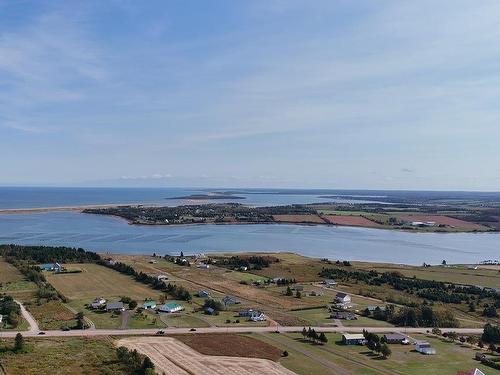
(263, 93)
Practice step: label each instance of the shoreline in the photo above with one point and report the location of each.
(80, 209)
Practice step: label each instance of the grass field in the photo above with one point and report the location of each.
(183, 321)
(98, 281)
(456, 274)
(9, 273)
(61, 356)
(52, 315)
(358, 360)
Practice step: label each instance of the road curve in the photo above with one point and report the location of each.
(172, 331)
(34, 329)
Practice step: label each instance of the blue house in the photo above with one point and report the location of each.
(55, 267)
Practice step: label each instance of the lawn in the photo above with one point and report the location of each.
(146, 319)
(101, 319)
(450, 357)
(61, 356)
(220, 320)
(182, 321)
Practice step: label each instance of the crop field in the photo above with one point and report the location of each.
(61, 356)
(308, 219)
(351, 220)
(172, 357)
(99, 281)
(230, 345)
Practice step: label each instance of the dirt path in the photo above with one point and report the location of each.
(172, 357)
(34, 329)
(125, 315)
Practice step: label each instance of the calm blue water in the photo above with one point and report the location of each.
(103, 233)
(36, 197)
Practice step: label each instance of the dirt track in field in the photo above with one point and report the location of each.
(172, 357)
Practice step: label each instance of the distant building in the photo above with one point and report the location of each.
(353, 339)
(230, 300)
(315, 293)
(329, 282)
(203, 294)
(149, 305)
(343, 298)
(115, 306)
(153, 261)
(171, 307)
(298, 288)
(344, 315)
(203, 265)
(254, 315)
(1, 318)
(209, 311)
(425, 348)
(98, 303)
(423, 223)
(394, 338)
(372, 309)
(161, 277)
(55, 267)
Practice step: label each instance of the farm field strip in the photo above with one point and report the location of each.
(165, 352)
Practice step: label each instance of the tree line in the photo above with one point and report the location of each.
(48, 254)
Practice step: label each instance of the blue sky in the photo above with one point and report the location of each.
(271, 93)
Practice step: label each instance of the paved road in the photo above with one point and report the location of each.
(128, 332)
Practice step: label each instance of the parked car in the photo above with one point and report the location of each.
(160, 332)
(41, 333)
(193, 329)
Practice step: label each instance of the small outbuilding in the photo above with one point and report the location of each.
(394, 338)
(425, 348)
(353, 339)
(171, 307)
(149, 305)
(115, 306)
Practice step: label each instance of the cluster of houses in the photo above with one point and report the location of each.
(390, 338)
(101, 304)
(253, 315)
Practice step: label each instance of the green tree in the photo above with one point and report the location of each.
(288, 291)
(322, 338)
(132, 304)
(298, 294)
(122, 353)
(19, 342)
(80, 321)
(385, 351)
(304, 332)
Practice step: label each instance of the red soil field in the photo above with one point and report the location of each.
(444, 220)
(313, 219)
(355, 221)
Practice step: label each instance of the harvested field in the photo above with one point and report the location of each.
(309, 219)
(52, 315)
(231, 346)
(355, 221)
(173, 357)
(444, 220)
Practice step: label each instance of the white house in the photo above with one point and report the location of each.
(161, 277)
(343, 298)
(424, 347)
(203, 265)
(171, 307)
(329, 282)
(1, 318)
(98, 303)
